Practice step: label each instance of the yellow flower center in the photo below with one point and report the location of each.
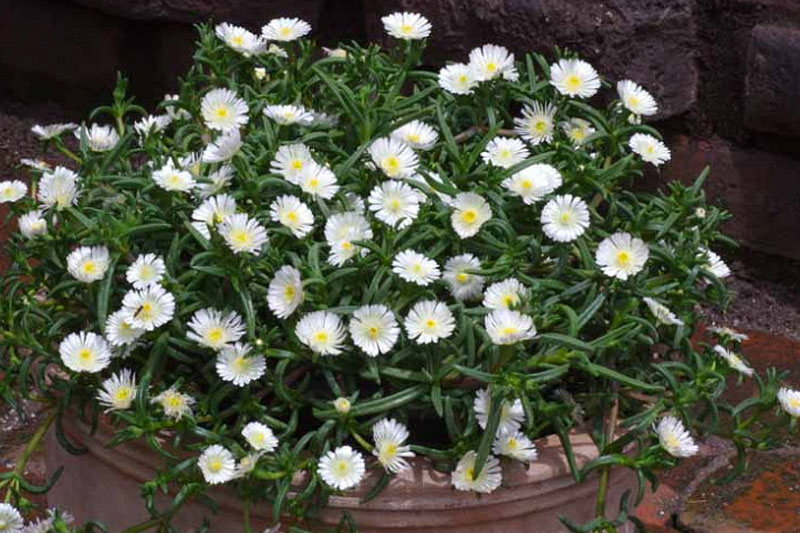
(412, 138)
(573, 83)
(406, 29)
(510, 330)
(241, 237)
(215, 335)
(794, 403)
(394, 205)
(388, 452)
(469, 474)
(430, 323)
(291, 216)
(633, 101)
(288, 293)
(540, 126)
(321, 336)
(491, 67)
(222, 112)
(174, 401)
(297, 164)
(85, 355)
(623, 258)
(239, 363)
(565, 218)
(463, 79)
(462, 277)
(145, 312)
(372, 332)
(671, 440)
(313, 183)
(469, 216)
(505, 153)
(122, 394)
(525, 185)
(285, 32)
(237, 40)
(346, 245)
(89, 267)
(391, 165)
(509, 299)
(215, 466)
(341, 467)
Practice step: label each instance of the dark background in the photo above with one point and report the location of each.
(726, 73)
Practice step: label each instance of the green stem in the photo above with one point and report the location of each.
(69, 153)
(34, 443)
(247, 528)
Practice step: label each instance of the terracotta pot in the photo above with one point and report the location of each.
(103, 484)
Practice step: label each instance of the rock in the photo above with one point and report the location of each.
(256, 12)
(651, 42)
(760, 188)
(772, 85)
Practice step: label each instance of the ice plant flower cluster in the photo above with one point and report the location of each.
(310, 265)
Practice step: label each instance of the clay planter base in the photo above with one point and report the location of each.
(103, 484)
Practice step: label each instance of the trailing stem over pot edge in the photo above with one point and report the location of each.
(306, 260)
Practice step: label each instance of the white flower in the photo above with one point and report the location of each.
(247, 464)
(512, 415)
(489, 478)
(12, 191)
(223, 148)
(504, 294)
(285, 29)
(289, 114)
(463, 284)
(151, 124)
(52, 130)
(36, 164)
(470, 212)
(234, 364)
(174, 112)
(148, 308)
(342, 468)
(340, 231)
(577, 129)
(340, 53)
(223, 110)
(790, 401)
(574, 77)
(491, 61)
(406, 26)
(733, 360)
(213, 211)
(714, 264)
(417, 135)
(674, 438)
(565, 218)
(118, 391)
(395, 203)
(662, 312)
(515, 445)
(395, 158)
(534, 182)
(10, 519)
(58, 189)
(277, 51)
(239, 39)
(217, 464)
(505, 152)
(322, 331)
(635, 99)
(285, 292)
(374, 329)
(32, 224)
(243, 234)
(621, 255)
(119, 331)
(216, 181)
(505, 326)
(215, 329)
(415, 268)
(99, 138)
(457, 78)
(175, 404)
(85, 352)
(428, 321)
(260, 437)
(390, 438)
(537, 123)
(323, 120)
(351, 202)
(192, 162)
(88, 263)
(171, 178)
(147, 269)
(260, 73)
(730, 333)
(318, 181)
(342, 405)
(291, 160)
(291, 212)
(649, 148)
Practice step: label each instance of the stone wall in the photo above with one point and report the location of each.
(726, 72)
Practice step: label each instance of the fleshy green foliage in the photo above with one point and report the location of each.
(599, 348)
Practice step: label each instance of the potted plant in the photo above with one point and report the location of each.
(333, 289)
